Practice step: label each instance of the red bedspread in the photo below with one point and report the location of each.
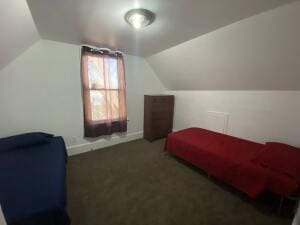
(228, 159)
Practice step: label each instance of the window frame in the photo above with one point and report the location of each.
(87, 89)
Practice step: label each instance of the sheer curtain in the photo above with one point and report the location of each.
(104, 94)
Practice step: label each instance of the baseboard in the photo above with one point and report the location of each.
(114, 140)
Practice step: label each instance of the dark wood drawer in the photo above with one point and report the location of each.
(162, 99)
(161, 115)
(164, 102)
(158, 116)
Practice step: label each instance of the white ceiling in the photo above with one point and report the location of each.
(101, 22)
(18, 30)
(258, 53)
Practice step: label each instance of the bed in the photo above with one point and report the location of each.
(250, 167)
(33, 176)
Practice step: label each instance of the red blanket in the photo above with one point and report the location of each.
(228, 159)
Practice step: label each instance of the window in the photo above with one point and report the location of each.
(104, 93)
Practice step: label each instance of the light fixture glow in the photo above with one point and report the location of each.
(139, 18)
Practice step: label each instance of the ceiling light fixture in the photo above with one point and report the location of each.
(139, 18)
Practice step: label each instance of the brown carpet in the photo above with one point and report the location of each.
(136, 183)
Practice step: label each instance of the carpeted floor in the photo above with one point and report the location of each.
(136, 183)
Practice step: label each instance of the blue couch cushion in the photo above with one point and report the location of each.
(24, 140)
(33, 181)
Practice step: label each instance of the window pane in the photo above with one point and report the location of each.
(114, 104)
(98, 105)
(112, 73)
(95, 72)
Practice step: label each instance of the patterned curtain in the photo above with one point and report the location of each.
(104, 94)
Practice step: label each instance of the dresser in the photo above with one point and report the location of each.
(158, 116)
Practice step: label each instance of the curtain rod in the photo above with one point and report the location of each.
(103, 49)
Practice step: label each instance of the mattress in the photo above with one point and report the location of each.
(229, 159)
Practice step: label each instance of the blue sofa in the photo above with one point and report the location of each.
(33, 179)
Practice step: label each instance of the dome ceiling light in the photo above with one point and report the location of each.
(139, 18)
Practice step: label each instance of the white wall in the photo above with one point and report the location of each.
(255, 115)
(18, 30)
(41, 90)
(296, 220)
(2, 219)
(258, 53)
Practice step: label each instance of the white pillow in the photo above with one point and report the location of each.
(2, 220)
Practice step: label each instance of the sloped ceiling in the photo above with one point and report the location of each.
(258, 53)
(101, 22)
(18, 30)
